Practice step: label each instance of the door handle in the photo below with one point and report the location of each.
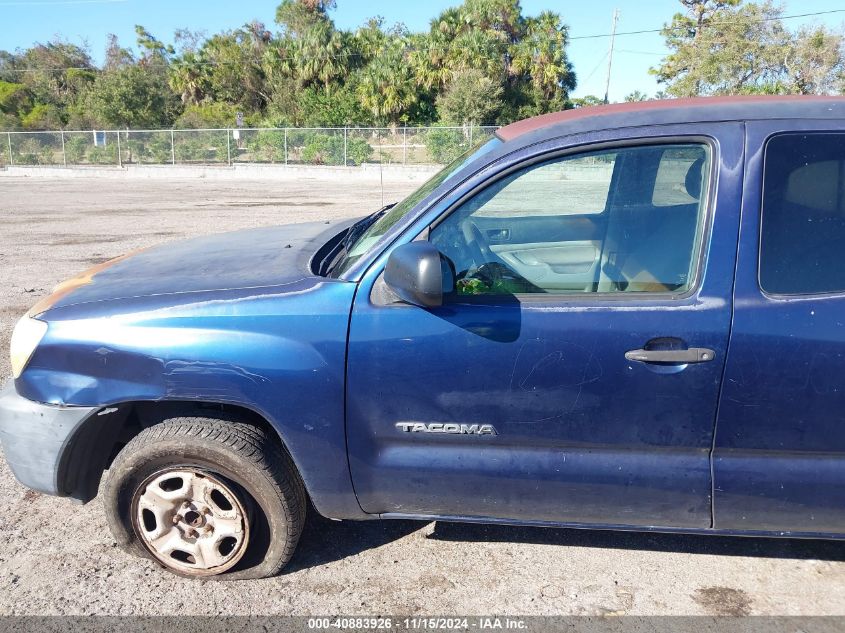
(499, 235)
(672, 356)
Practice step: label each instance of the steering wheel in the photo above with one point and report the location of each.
(480, 250)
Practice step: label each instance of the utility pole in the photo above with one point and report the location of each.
(610, 55)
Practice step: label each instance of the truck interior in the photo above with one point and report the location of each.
(621, 220)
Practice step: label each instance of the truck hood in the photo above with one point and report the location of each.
(252, 258)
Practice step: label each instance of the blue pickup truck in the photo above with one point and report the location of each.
(627, 317)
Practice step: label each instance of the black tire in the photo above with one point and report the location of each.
(261, 473)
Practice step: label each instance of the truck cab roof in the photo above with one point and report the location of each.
(673, 111)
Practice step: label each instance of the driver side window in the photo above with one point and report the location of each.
(619, 220)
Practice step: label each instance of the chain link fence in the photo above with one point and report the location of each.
(348, 146)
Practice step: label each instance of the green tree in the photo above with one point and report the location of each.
(46, 76)
(500, 16)
(235, 73)
(636, 95)
(188, 76)
(526, 56)
(312, 50)
(14, 98)
(504, 63)
(217, 114)
(540, 58)
(337, 107)
(730, 47)
(429, 52)
(586, 101)
(43, 116)
(298, 17)
(47, 79)
(470, 98)
(116, 55)
(723, 47)
(814, 62)
(131, 97)
(10, 67)
(386, 86)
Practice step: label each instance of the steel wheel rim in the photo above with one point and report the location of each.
(191, 521)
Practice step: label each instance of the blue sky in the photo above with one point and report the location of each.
(23, 22)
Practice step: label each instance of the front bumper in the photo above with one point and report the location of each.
(37, 440)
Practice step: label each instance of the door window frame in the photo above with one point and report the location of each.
(704, 227)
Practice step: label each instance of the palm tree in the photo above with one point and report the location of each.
(187, 76)
(503, 17)
(386, 87)
(429, 53)
(541, 55)
(320, 55)
(479, 50)
(427, 57)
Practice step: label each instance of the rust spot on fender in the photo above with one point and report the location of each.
(82, 279)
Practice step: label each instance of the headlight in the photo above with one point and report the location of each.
(25, 338)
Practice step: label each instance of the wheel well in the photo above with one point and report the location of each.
(102, 445)
(145, 414)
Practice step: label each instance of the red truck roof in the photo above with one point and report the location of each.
(700, 104)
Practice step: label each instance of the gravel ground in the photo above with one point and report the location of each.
(58, 558)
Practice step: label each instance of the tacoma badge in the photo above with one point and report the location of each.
(455, 429)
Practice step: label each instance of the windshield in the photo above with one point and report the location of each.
(387, 217)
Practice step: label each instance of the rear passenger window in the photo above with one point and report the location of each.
(802, 234)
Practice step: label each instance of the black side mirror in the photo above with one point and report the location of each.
(419, 274)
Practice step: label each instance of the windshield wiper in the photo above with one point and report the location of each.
(357, 229)
(352, 234)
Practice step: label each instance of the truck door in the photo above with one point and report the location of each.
(573, 377)
(779, 460)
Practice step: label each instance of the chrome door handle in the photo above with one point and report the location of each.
(672, 356)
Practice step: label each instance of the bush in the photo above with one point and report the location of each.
(103, 155)
(80, 149)
(196, 148)
(323, 149)
(208, 115)
(75, 148)
(358, 151)
(327, 149)
(9, 122)
(30, 151)
(304, 146)
(267, 146)
(152, 149)
(445, 145)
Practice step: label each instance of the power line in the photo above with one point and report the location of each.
(709, 24)
(630, 52)
(598, 65)
(45, 3)
(348, 55)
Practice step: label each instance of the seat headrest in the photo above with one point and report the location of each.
(693, 179)
(816, 186)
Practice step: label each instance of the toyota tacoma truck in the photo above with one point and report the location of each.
(625, 317)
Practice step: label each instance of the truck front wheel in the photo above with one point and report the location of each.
(206, 497)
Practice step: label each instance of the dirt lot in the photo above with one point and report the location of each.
(58, 558)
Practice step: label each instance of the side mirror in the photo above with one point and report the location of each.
(419, 274)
